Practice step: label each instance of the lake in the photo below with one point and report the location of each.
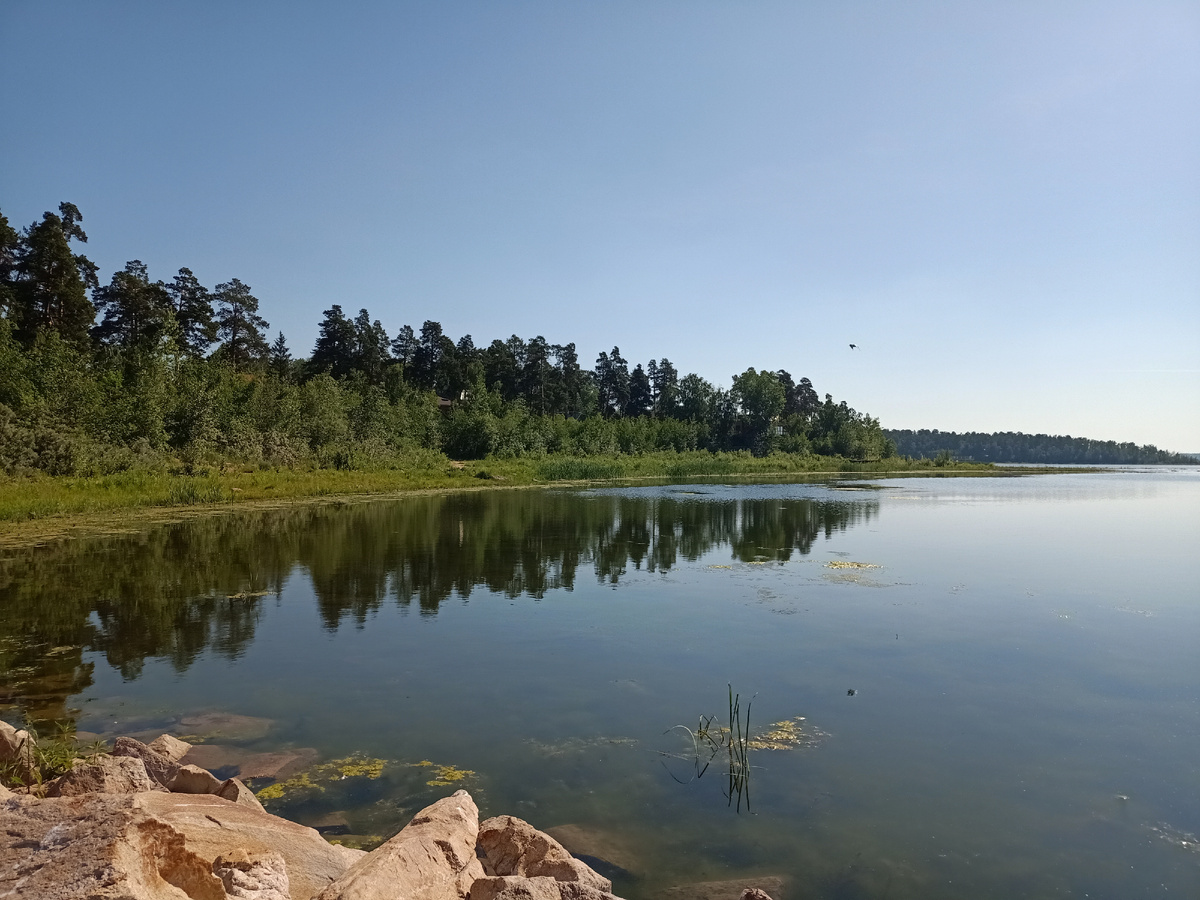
(957, 687)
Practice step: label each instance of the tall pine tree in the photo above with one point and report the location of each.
(52, 282)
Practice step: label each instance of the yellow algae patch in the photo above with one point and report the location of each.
(847, 564)
(350, 767)
(720, 567)
(448, 775)
(315, 778)
(281, 789)
(443, 776)
(788, 734)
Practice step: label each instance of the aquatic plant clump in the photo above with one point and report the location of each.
(315, 780)
(444, 776)
(788, 734)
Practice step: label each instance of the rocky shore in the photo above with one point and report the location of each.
(137, 824)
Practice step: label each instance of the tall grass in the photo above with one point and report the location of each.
(34, 497)
(733, 740)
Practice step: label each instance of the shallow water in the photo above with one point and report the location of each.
(1022, 653)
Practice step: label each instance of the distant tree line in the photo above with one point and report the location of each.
(1015, 447)
(100, 377)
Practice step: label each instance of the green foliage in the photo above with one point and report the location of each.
(141, 396)
(50, 756)
(1037, 449)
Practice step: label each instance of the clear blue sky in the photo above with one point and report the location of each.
(998, 202)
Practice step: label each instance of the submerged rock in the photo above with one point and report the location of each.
(230, 726)
(609, 854)
(236, 761)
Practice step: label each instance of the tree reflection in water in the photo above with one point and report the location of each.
(180, 590)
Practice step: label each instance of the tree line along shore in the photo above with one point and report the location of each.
(99, 377)
(139, 392)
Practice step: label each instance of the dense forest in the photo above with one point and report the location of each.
(1015, 447)
(99, 377)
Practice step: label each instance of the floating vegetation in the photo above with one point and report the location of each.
(789, 734)
(448, 775)
(848, 564)
(444, 776)
(351, 767)
(289, 788)
(314, 780)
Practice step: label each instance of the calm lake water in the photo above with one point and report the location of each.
(1001, 699)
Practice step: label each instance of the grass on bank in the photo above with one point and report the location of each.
(39, 497)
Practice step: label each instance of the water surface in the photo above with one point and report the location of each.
(1022, 654)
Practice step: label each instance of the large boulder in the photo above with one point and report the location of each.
(170, 746)
(233, 790)
(511, 846)
(212, 826)
(106, 775)
(98, 846)
(162, 769)
(195, 780)
(432, 858)
(157, 846)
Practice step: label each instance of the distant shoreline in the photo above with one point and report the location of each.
(47, 509)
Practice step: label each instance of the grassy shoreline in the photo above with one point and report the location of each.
(41, 508)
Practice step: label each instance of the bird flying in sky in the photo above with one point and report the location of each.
(854, 346)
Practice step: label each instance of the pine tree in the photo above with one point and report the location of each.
(370, 347)
(52, 282)
(666, 389)
(281, 359)
(404, 346)
(192, 304)
(612, 381)
(336, 345)
(136, 310)
(240, 325)
(641, 400)
(10, 244)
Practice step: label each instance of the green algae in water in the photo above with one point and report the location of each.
(376, 797)
(290, 788)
